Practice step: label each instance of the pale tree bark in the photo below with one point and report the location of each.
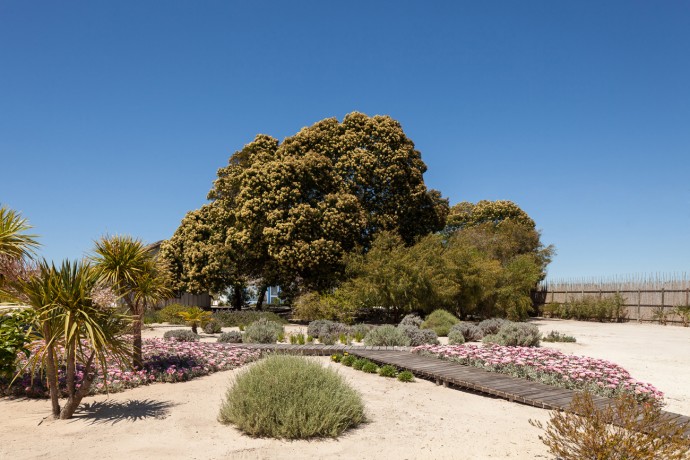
(76, 395)
(52, 378)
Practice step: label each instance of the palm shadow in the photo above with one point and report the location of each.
(132, 410)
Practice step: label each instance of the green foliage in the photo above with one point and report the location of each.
(555, 336)
(440, 321)
(328, 339)
(469, 332)
(455, 336)
(388, 371)
(359, 331)
(181, 335)
(337, 357)
(344, 339)
(16, 327)
(170, 313)
(195, 317)
(313, 306)
(419, 336)
(358, 363)
(465, 214)
(370, 368)
(683, 312)
(642, 431)
(293, 398)
(213, 327)
(152, 317)
(406, 376)
(348, 360)
(263, 331)
(387, 335)
(515, 335)
(230, 337)
(608, 308)
(245, 317)
(15, 243)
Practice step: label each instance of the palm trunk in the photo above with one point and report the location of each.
(52, 377)
(237, 297)
(137, 358)
(262, 296)
(75, 396)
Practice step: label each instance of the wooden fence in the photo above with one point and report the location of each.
(644, 297)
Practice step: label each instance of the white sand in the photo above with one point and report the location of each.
(407, 421)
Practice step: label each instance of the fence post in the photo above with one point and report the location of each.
(663, 311)
(639, 303)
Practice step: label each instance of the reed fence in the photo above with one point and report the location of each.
(645, 297)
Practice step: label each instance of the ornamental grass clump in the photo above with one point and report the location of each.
(291, 397)
(347, 360)
(440, 321)
(370, 368)
(550, 367)
(388, 371)
(181, 335)
(642, 431)
(230, 337)
(406, 376)
(387, 335)
(263, 331)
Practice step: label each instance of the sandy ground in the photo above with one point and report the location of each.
(406, 421)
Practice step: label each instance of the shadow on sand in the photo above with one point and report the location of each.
(132, 410)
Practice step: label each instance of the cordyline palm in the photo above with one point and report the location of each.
(14, 241)
(73, 329)
(131, 269)
(195, 317)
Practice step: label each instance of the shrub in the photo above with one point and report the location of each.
(328, 339)
(348, 360)
(152, 317)
(491, 326)
(419, 336)
(300, 339)
(643, 431)
(291, 397)
(14, 328)
(213, 327)
(263, 331)
(313, 306)
(455, 337)
(387, 335)
(610, 308)
(181, 335)
(406, 376)
(246, 317)
(359, 331)
(440, 321)
(411, 320)
(555, 336)
(326, 327)
(388, 371)
(195, 317)
(515, 335)
(230, 337)
(170, 313)
(358, 363)
(337, 357)
(469, 331)
(370, 368)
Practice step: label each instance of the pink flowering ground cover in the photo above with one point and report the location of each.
(164, 361)
(548, 366)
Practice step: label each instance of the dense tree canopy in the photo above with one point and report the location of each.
(294, 210)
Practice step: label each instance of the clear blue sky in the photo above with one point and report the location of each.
(115, 116)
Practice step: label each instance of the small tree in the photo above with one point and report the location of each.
(74, 330)
(195, 317)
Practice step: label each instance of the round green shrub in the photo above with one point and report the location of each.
(170, 313)
(348, 360)
(213, 327)
(370, 368)
(387, 335)
(358, 363)
(230, 337)
(263, 331)
(388, 371)
(293, 398)
(455, 337)
(337, 357)
(181, 335)
(440, 321)
(406, 376)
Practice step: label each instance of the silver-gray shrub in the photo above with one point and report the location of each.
(491, 326)
(230, 337)
(411, 320)
(470, 332)
(387, 336)
(326, 327)
(181, 335)
(515, 335)
(262, 331)
(419, 336)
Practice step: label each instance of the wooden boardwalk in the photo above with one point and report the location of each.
(457, 375)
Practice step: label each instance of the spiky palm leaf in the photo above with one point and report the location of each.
(14, 241)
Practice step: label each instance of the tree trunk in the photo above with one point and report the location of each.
(237, 297)
(75, 396)
(137, 358)
(52, 377)
(262, 295)
(194, 329)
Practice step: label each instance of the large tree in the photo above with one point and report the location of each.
(292, 210)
